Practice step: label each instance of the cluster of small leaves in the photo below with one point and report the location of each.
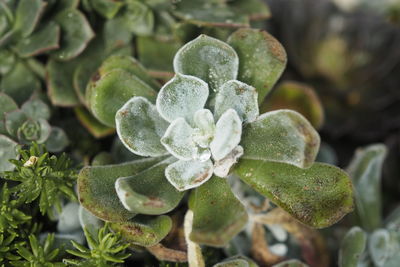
(105, 249)
(42, 177)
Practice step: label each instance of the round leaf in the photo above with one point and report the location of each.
(353, 245)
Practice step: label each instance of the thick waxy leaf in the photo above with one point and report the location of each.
(298, 97)
(89, 221)
(20, 83)
(13, 120)
(96, 128)
(35, 108)
(365, 170)
(140, 127)
(27, 16)
(116, 33)
(128, 64)
(138, 18)
(181, 97)
(379, 247)
(7, 104)
(44, 40)
(290, 263)
(106, 8)
(57, 140)
(282, 136)
(112, 91)
(353, 245)
(227, 134)
(204, 133)
(237, 261)
(144, 230)
(262, 59)
(254, 9)
(210, 59)
(96, 188)
(218, 214)
(178, 140)
(7, 61)
(8, 150)
(238, 96)
(184, 175)
(148, 192)
(76, 34)
(34, 130)
(222, 167)
(318, 196)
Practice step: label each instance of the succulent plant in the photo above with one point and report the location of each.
(36, 27)
(25, 125)
(186, 142)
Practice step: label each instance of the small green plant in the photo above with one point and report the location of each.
(105, 249)
(47, 179)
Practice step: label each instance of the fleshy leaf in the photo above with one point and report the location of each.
(181, 97)
(107, 8)
(290, 263)
(237, 261)
(282, 136)
(96, 128)
(352, 246)
(89, 221)
(178, 140)
(298, 97)
(76, 31)
(44, 40)
(379, 246)
(57, 140)
(227, 134)
(13, 120)
(96, 188)
(318, 196)
(209, 59)
(223, 166)
(262, 59)
(144, 230)
(365, 170)
(138, 18)
(27, 16)
(238, 96)
(218, 214)
(194, 255)
(34, 130)
(140, 127)
(112, 91)
(148, 192)
(35, 108)
(8, 150)
(68, 220)
(184, 175)
(204, 133)
(7, 104)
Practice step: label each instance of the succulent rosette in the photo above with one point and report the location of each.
(202, 127)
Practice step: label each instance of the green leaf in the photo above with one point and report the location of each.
(218, 214)
(148, 192)
(76, 34)
(237, 261)
(27, 16)
(96, 188)
(262, 59)
(7, 104)
(281, 136)
(7, 61)
(365, 170)
(57, 140)
(13, 120)
(35, 108)
(209, 59)
(106, 8)
(96, 128)
(290, 263)
(112, 90)
(34, 130)
(318, 196)
(256, 10)
(144, 230)
(379, 247)
(140, 127)
(44, 40)
(352, 246)
(138, 18)
(8, 150)
(181, 97)
(298, 97)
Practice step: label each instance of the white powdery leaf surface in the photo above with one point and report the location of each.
(178, 140)
(238, 96)
(184, 175)
(209, 59)
(204, 121)
(222, 167)
(181, 97)
(140, 127)
(227, 134)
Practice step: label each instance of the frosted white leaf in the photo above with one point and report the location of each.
(140, 127)
(279, 249)
(178, 140)
(184, 175)
(227, 134)
(181, 97)
(69, 219)
(204, 133)
(238, 96)
(209, 59)
(195, 258)
(222, 167)
(279, 233)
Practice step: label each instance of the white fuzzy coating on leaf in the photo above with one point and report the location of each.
(227, 134)
(238, 96)
(178, 140)
(181, 97)
(184, 175)
(140, 127)
(209, 59)
(223, 166)
(204, 133)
